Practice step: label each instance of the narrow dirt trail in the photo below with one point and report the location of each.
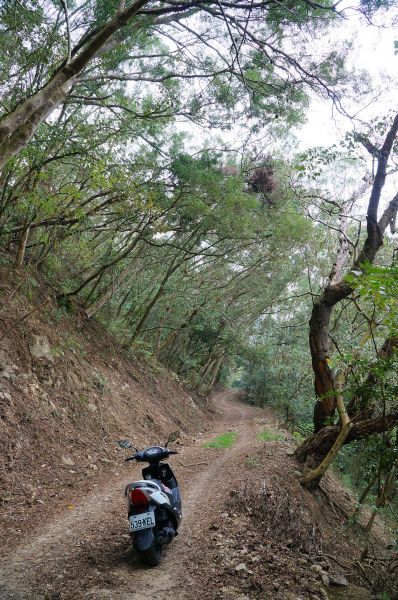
(86, 554)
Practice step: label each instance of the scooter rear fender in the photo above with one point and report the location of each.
(144, 539)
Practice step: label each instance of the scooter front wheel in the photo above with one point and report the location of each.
(153, 555)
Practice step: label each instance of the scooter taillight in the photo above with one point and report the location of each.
(139, 500)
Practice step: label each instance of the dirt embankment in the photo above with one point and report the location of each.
(67, 392)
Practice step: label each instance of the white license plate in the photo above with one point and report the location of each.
(142, 521)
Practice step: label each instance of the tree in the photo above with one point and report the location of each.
(341, 285)
(94, 46)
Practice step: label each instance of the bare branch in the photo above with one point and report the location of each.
(66, 12)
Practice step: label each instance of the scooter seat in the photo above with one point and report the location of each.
(146, 483)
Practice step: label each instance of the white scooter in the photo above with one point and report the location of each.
(153, 503)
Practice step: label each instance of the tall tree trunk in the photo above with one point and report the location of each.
(381, 500)
(159, 333)
(323, 378)
(337, 289)
(102, 269)
(172, 268)
(175, 264)
(205, 370)
(364, 495)
(17, 128)
(22, 248)
(170, 338)
(120, 279)
(216, 371)
(107, 295)
(314, 476)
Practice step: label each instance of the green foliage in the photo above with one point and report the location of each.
(379, 285)
(275, 371)
(371, 6)
(104, 10)
(269, 436)
(298, 437)
(99, 381)
(30, 287)
(225, 440)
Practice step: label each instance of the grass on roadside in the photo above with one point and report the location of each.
(265, 435)
(224, 440)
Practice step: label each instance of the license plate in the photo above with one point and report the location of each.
(142, 521)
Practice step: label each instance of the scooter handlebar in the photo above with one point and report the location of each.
(140, 458)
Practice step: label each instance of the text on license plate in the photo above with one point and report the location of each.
(142, 521)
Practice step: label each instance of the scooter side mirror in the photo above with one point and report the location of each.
(173, 436)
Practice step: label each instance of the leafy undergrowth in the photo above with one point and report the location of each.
(225, 440)
(269, 436)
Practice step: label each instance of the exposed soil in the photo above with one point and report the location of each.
(249, 530)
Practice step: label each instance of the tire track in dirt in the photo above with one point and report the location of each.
(86, 554)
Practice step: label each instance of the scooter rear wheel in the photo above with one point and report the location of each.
(153, 555)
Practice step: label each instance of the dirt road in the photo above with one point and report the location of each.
(86, 553)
